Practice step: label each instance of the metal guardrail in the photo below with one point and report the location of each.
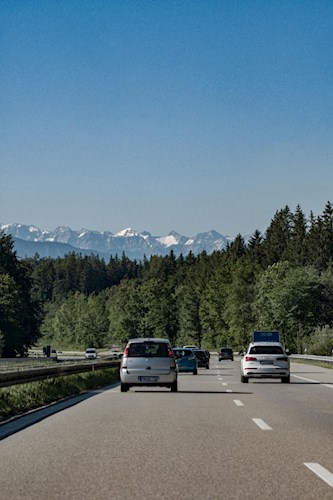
(31, 375)
(310, 357)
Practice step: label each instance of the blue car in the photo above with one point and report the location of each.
(186, 360)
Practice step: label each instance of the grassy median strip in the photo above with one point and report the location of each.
(18, 399)
(322, 364)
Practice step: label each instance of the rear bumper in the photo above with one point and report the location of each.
(133, 378)
(266, 374)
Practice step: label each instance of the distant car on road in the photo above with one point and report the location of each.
(226, 353)
(186, 360)
(203, 359)
(90, 353)
(265, 360)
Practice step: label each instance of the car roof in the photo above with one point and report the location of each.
(266, 343)
(149, 339)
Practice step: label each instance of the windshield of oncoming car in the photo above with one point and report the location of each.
(266, 349)
(148, 350)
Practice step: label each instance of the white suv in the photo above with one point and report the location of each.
(265, 360)
(148, 362)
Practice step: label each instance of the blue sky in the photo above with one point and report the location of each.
(165, 115)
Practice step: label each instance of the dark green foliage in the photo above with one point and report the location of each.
(275, 245)
(254, 249)
(19, 313)
(320, 342)
(297, 242)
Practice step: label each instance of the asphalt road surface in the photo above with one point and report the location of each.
(214, 439)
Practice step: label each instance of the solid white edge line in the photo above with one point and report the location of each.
(261, 424)
(330, 386)
(306, 379)
(321, 472)
(238, 402)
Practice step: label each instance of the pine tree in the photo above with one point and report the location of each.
(275, 245)
(297, 242)
(255, 248)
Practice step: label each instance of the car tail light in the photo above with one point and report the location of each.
(250, 358)
(170, 352)
(125, 355)
(282, 359)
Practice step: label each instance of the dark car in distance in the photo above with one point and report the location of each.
(203, 359)
(226, 353)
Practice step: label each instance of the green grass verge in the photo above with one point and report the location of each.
(322, 364)
(18, 399)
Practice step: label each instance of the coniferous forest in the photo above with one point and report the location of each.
(282, 279)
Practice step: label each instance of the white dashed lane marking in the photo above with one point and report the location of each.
(321, 472)
(261, 424)
(238, 402)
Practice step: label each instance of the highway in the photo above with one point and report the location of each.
(214, 439)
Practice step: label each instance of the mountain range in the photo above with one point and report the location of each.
(29, 240)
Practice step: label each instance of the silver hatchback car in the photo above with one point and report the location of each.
(148, 362)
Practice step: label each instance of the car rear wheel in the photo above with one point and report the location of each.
(244, 380)
(195, 372)
(174, 386)
(285, 380)
(124, 387)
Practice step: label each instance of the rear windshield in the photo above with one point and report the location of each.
(228, 351)
(266, 349)
(148, 350)
(200, 354)
(181, 353)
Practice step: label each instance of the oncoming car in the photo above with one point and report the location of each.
(186, 360)
(148, 362)
(265, 360)
(90, 353)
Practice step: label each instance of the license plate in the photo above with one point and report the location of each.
(148, 379)
(266, 362)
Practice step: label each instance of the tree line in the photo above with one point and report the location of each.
(282, 279)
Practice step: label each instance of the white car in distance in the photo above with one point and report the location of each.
(265, 360)
(90, 353)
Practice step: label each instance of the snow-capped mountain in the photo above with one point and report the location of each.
(134, 244)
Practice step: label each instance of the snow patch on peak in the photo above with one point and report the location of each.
(168, 240)
(128, 232)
